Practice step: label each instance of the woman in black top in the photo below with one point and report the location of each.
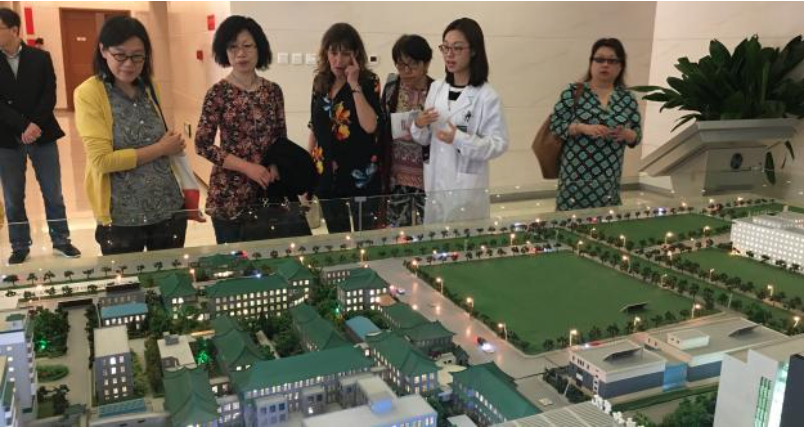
(345, 115)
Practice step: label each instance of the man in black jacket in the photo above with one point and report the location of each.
(28, 129)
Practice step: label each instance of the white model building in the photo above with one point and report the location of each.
(755, 385)
(16, 343)
(779, 237)
(378, 406)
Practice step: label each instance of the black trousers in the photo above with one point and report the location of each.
(163, 235)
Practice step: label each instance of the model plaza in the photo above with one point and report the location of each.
(454, 328)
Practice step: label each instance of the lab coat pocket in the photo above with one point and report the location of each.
(469, 166)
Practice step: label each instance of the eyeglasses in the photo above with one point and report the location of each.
(455, 49)
(401, 66)
(611, 61)
(234, 49)
(121, 57)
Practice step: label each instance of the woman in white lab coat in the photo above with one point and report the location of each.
(463, 121)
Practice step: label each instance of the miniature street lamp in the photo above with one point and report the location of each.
(694, 309)
(193, 274)
(797, 321)
(772, 289)
(511, 239)
(706, 230)
(441, 286)
(502, 326)
(711, 275)
(635, 323)
(593, 232)
(669, 235)
(626, 259)
(470, 302)
(662, 277)
(363, 251)
(301, 259)
(623, 240)
(579, 246)
(39, 291)
(669, 254)
(571, 335)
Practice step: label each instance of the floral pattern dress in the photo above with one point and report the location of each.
(590, 168)
(347, 158)
(249, 122)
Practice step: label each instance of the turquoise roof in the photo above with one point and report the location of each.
(362, 326)
(123, 310)
(121, 408)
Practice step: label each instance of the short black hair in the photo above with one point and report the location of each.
(10, 18)
(479, 67)
(621, 54)
(229, 30)
(116, 31)
(39, 41)
(412, 46)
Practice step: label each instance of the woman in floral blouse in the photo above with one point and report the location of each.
(596, 131)
(249, 112)
(345, 114)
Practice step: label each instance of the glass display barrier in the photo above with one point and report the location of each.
(320, 225)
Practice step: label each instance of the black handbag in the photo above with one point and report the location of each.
(278, 212)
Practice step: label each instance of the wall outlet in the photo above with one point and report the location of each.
(296, 58)
(310, 59)
(282, 58)
(374, 59)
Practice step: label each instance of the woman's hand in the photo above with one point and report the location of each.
(353, 71)
(426, 118)
(623, 134)
(171, 143)
(259, 174)
(448, 135)
(593, 130)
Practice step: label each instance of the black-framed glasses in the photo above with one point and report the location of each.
(401, 65)
(611, 61)
(457, 49)
(122, 58)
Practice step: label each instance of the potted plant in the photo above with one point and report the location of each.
(743, 104)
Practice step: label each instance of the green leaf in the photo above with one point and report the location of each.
(769, 168)
(719, 52)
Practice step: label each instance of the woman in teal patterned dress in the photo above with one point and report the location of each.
(595, 130)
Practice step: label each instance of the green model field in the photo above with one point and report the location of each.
(656, 228)
(543, 297)
(749, 270)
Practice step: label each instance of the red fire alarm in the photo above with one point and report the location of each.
(200, 55)
(211, 22)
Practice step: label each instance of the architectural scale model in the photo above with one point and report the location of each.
(568, 320)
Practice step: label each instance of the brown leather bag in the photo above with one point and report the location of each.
(547, 146)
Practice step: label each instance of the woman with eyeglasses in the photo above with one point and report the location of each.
(403, 98)
(135, 197)
(249, 113)
(464, 125)
(595, 127)
(345, 117)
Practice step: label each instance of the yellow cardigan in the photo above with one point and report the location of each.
(94, 123)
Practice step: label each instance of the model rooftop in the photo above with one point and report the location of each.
(111, 341)
(580, 415)
(177, 347)
(296, 368)
(723, 335)
(620, 355)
